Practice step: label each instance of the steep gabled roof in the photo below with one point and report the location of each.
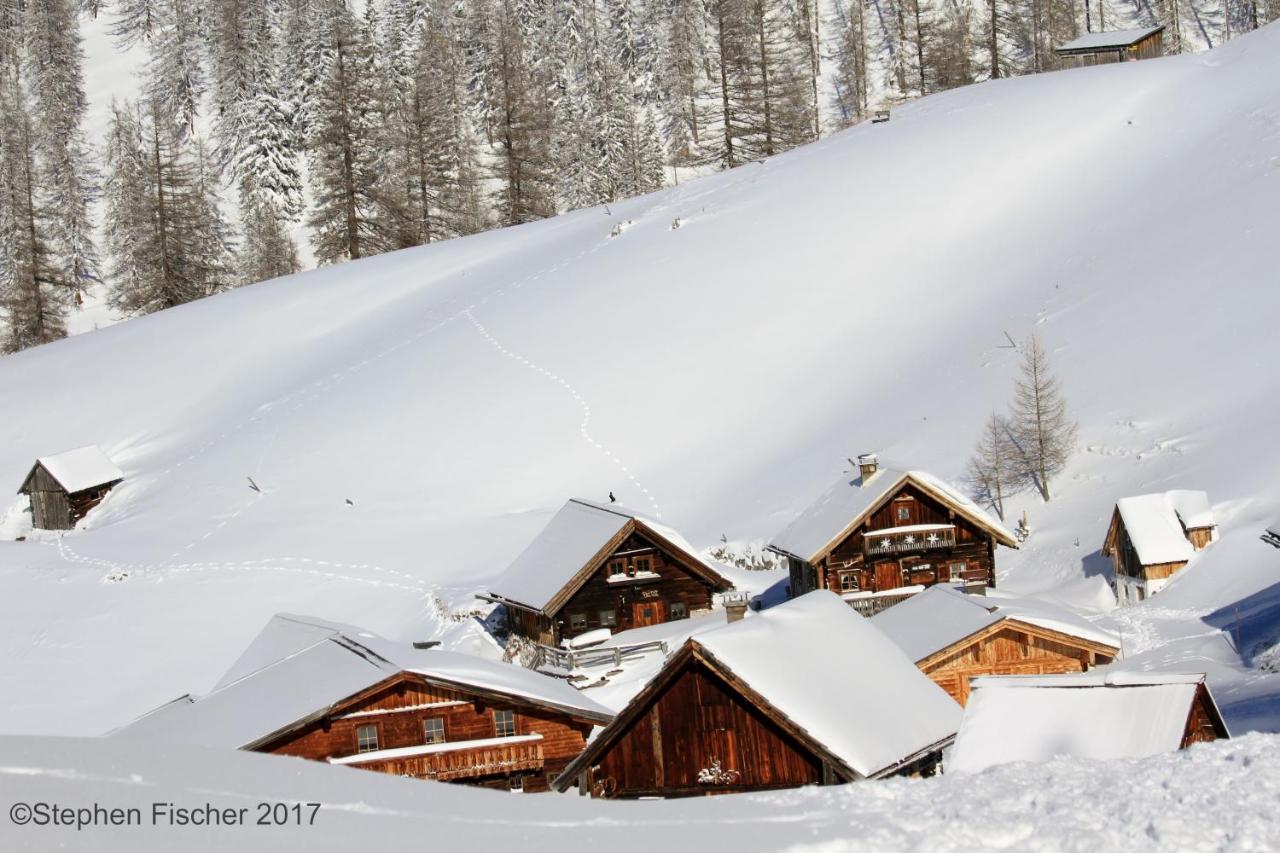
(941, 618)
(1097, 714)
(872, 713)
(850, 501)
(575, 543)
(1157, 524)
(77, 470)
(299, 669)
(1111, 40)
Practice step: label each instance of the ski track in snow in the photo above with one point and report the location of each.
(584, 427)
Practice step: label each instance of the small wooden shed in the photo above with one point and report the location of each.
(1114, 46)
(1152, 537)
(63, 488)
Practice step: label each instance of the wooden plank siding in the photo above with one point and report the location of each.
(1203, 723)
(1010, 648)
(852, 567)
(695, 722)
(52, 508)
(399, 709)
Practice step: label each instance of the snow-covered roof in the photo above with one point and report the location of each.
(825, 521)
(1098, 715)
(1109, 39)
(318, 665)
(1155, 523)
(575, 537)
(940, 616)
(80, 469)
(872, 711)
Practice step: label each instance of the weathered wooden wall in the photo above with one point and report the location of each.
(1201, 725)
(693, 723)
(52, 508)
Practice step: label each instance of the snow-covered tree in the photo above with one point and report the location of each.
(267, 251)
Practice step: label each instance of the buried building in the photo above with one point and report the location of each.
(63, 488)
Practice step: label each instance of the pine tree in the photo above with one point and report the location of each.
(136, 21)
(852, 55)
(994, 472)
(267, 251)
(1044, 435)
(684, 80)
(175, 78)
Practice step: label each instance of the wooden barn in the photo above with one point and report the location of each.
(954, 638)
(600, 566)
(63, 488)
(1096, 715)
(885, 530)
(748, 706)
(340, 694)
(1113, 46)
(1151, 537)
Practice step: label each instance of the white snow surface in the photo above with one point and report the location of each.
(1211, 797)
(258, 699)
(878, 712)
(80, 469)
(1109, 38)
(1018, 718)
(1152, 522)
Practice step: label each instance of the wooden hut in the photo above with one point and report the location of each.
(1113, 46)
(63, 488)
(341, 694)
(1151, 537)
(599, 566)
(1096, 715)
(748, 706)
(954, 638)
(885, 529)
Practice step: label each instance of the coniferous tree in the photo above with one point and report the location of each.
(176, 79)
(685, 81)
(852, 55)
(994, 472)
(1044, 434)
(267, 251)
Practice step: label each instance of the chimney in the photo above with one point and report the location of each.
(868, 464)
(735, 606)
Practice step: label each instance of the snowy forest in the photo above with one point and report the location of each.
(395, 123)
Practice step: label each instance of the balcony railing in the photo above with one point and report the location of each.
(917, 537)
(459, 760)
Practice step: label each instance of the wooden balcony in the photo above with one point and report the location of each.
(452, 761)
(915, 538)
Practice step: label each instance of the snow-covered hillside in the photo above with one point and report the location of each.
(413, 419)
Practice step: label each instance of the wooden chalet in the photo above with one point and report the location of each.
(954, 637)
(748, 706)
(1152, 537)
(1113, 46)
(1096, 715)
(63, 488)
(886, 530)
(600, 566)
(340, 694)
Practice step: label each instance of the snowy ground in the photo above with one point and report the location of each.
(1214, 797)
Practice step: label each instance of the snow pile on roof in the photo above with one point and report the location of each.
(849, 498)
(1112, 38)
(319, 665)
(872, 709)
(574, 536)
(80, 469)
(941, 615)
(1155, 524)
(1096, 715)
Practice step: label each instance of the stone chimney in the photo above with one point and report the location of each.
(868, 464)
(735, 606)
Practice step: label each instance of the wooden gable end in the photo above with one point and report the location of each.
(697, 734)
(1011, 647)
(1204, 722)
(906, 506)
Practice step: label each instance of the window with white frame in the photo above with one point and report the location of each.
(956, 570)
(848, 581)
(433, 730)
(617, 567)
(366, 738)
(608, 618)
(504, 723)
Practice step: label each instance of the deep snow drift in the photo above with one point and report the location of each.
(413, 419)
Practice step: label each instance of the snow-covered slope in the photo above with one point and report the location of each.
(413, 419)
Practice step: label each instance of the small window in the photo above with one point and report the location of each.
(517, 783)
(504, 723)
(366, 738)
(849, 582)
(904, 512)
(577, 621)
(679, 610)
(642, 564)
(433, 729)
(617, 567)
(608, 618)
(956, 570)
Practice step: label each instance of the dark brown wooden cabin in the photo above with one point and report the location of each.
(411, 725)
(887, 529)
(65, 487)
(1152, 537)
(1114, 46)
(599, 566)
